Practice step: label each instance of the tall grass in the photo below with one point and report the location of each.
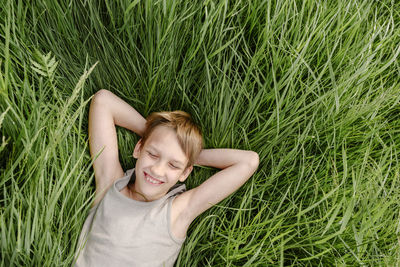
(312, 86)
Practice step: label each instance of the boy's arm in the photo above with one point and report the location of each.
(106, 111)
(237, 167)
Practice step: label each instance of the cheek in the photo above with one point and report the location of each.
(172, 175)
(147, 160)
(142, 163)
(177, 173)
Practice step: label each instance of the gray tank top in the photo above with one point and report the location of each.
(120, 231)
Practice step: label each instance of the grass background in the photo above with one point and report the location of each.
(312, 86)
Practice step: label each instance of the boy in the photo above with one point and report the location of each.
(140, 217)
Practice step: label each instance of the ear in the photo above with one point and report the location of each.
(138, 147)
(186, 173)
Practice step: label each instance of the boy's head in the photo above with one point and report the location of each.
(187, 132)
(166, 153)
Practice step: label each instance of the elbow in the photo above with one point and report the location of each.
(100, 96)
(102, 93)
(253, 160)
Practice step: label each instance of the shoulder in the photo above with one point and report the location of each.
(103, 188)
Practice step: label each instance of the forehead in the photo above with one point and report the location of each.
(165, 141)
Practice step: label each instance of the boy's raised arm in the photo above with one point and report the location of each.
(237, 167)
(106, 111)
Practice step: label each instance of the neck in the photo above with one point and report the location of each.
(135, 194)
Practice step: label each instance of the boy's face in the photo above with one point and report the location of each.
(160, 163)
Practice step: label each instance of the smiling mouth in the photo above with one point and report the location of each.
(152, 180)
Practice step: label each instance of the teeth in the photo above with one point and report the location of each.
(151, 180)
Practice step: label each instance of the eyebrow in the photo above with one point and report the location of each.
(173, 160)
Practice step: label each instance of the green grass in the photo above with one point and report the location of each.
(312, 86)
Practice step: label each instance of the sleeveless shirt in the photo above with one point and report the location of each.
(120, 231)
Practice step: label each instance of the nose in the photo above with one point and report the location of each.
(158, 169)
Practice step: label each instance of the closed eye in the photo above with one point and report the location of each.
(151, 154)
(173, 166)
